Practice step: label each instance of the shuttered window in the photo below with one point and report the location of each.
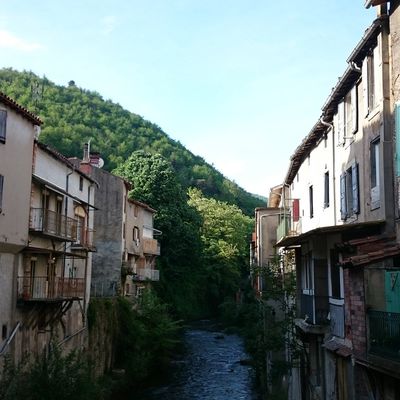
(3, 125)
(296, 210)
(326, 189)
(349, 192)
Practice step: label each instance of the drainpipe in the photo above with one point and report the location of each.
(354, 67)
(330, 126)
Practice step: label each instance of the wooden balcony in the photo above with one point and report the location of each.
(50, 223)
(151, 246)
(41, 288)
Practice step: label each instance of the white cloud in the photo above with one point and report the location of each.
(8, 40)
(109, 23)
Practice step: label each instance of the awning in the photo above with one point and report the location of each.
(61, 191)
(290, 241)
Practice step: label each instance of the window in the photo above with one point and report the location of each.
(349, 193)
(1, 191)
(136, 235)
(311, 199)
(375, 185)
(335, 275)
(3, 119)
(81, 183)
(307, 276)
(369, 84)
(326, 189)
(347, 116)
(296, 210)
(135, 210)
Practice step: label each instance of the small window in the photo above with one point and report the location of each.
(81, 183)
(335, 275)
(311, 199)
(3, 125)
(4, 332)
(136, 234)
(1, 191)
(375, 181)
(326, 189)
(135, 210)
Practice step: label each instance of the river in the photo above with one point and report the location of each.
(212, 367)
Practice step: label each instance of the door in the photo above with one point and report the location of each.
(392, 291)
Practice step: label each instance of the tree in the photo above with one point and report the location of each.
(225, 236)
(155, 183)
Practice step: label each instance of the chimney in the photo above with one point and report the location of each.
(86, 152)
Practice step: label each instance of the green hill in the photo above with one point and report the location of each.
(73, 115)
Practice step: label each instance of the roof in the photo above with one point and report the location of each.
(342, 87)
(289, 241)
(144, 205)
(369, 3)
(8, 101)
(371, 249)
(60, 157)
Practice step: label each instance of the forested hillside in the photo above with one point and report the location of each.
(73, 115)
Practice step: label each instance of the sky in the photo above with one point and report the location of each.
(238, 82)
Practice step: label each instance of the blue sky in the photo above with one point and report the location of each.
(238, 82)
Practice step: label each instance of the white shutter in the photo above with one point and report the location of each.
(354, 109)
(377, 80)
(365, 85)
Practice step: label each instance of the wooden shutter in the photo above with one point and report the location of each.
(354, 109)
(365, 85)
(3, 119)
(340, 123)
(356, 192)
(343, 204)
(296, 210)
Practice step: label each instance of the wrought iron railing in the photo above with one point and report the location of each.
(84, 238)
(53, 224)
(314, 309)
(50, 288)
(384, 334)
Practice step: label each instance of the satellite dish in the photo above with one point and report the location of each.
(101, 163)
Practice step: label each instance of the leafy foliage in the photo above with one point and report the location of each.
(225, 233)
(154, 182)
(73, 115)
(66, 377)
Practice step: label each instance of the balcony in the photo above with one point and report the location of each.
(283, 227)
(52, 224)
(151, 246)
(147, 274)
(41, 288)
(384, 334)
(84, 239)
(313, 313)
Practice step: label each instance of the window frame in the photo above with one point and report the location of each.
(3, 125)
(375, 173)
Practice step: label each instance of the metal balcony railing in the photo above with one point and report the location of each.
(53, 224)
(147, 274)
(283, 227)
(151, 246)
(84, 238)
(314, 309)
(45, 288)
(384, 334)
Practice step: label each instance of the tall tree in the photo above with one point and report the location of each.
(225, 236)
(155, 183)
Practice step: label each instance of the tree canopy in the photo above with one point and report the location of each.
(73, 115)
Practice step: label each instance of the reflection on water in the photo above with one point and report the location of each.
(209, 370)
